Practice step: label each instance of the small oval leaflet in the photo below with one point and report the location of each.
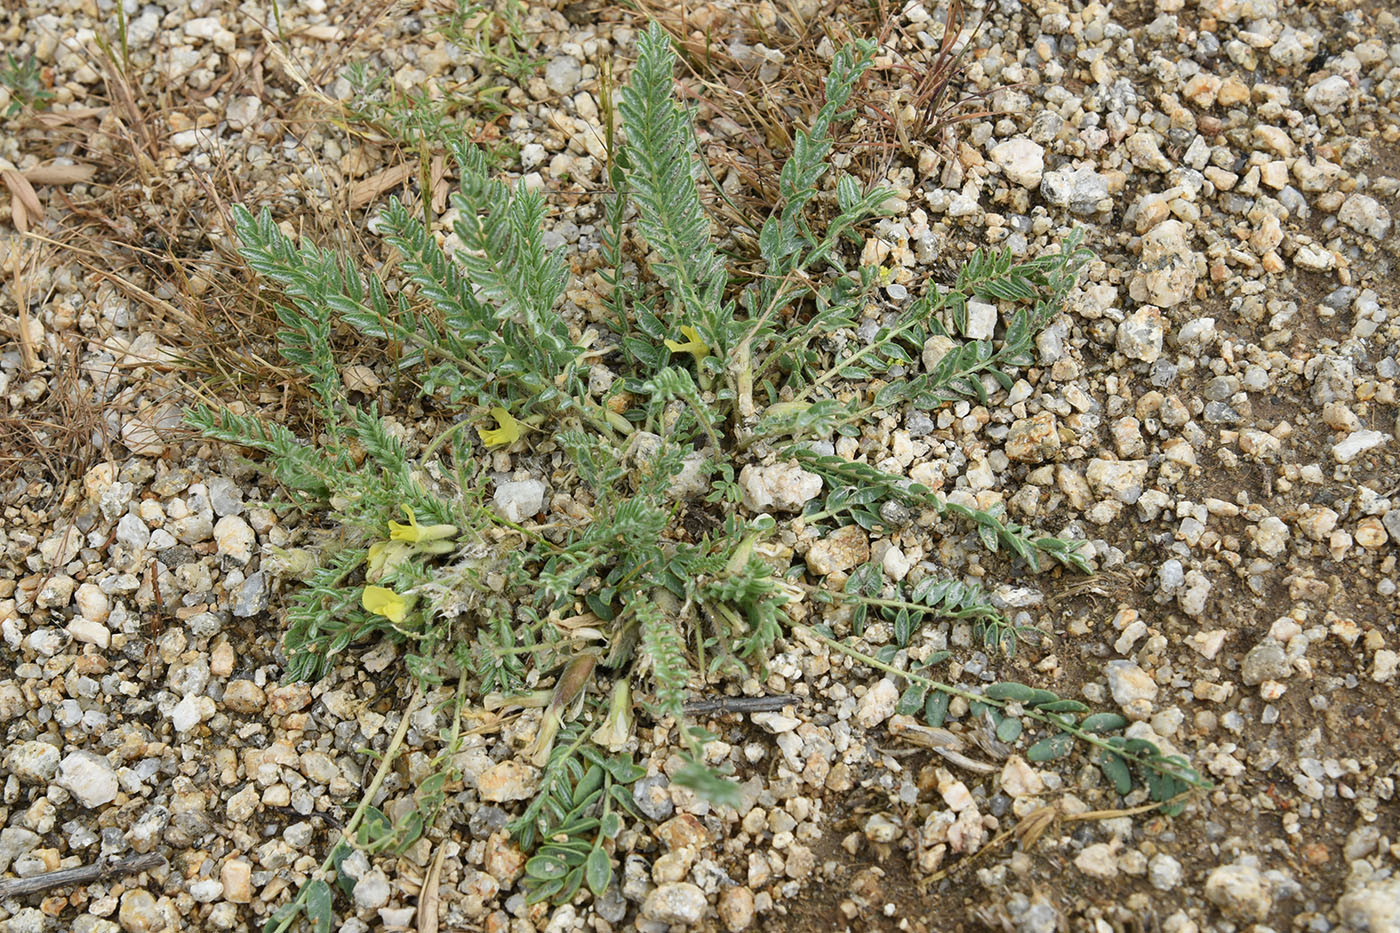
(936, 708)
(1116, 770)
(1011, 690)
(1063, 706)
(1009, 729)
(599, 871)
(1051, 747)
(1103, 722)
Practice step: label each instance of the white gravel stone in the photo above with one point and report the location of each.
(90, 778)
(89, 632)
(782, 487)
(133, 533)
(242, 112)
(1365, 214)
(1384, 666)
(190, 712)
(878, 704)
(981, 320)
(1082, 191)
(33, 762)
(562, 74)
(1356, 443)
(1130, 685)
(677, 902)
(1240, 891)
(1022, 161)
(1371, 906)
(521, 499)
(1328, 95)
(1098, 861)
(1121, 479)
(372, 890)
(235, 538)
(843, 549)
(1166, 273)
(92, 603)
(1019, 779)
(1163, 872)
(1271, 536)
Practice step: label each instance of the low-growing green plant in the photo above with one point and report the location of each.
(494, 33)
(23, 78)
(643, 581)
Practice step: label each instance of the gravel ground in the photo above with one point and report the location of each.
(1216, 413)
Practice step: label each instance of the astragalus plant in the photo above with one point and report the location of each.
(649, 581)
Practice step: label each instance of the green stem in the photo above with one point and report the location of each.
(942, 613)
(1058, 721)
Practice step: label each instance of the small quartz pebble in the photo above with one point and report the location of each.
(520, 500)
(89, 777)
(1098, 861)
(33, 762)
(843, 549)
(1021, 160)
(1163, 872)
(1019, 779)
(236, 876)
(235, 538)
(736, 908)
(878, 704)
(507, 780)
(678, 902)
(1034, 439)
(1132, 688)
(1357, 443)
(1240, 891)
(784, 487)
(244, 696)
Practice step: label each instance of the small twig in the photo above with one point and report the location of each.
(770, 704)
(84, 874)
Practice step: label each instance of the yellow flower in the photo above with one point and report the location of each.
(694, 346)
(617, 727)
(505, 435)
(385, 557)
(385, 602)
(414, 533)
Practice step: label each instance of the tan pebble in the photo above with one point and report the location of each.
(221, 659)
(1370, 533)
(288, 698)
(682, 831)
(1232, 91)
(504, 860)
(244, 696)
(237, 876)
(507, 780)
(736, 908)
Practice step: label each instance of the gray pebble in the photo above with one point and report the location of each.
(252, 596)
(652, 797)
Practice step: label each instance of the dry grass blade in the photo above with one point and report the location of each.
(50, 174)
(24, 192)
(368, 190)
(428, 897)
(929, 97)
(20, 258)
(1035, 825)
(55, 119)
